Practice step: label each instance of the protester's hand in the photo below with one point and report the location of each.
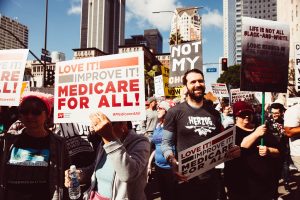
(263, 150)
(179, 176)
(101, 125)
(234, 152)
(261, 130)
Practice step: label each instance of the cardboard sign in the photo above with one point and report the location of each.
(265, 55)
(207, 154)
(297, 66)
(112, 84)
(159, 86)
(220, 90)
(12, 66)
(184, 57)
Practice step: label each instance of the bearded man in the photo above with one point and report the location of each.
(186, 125)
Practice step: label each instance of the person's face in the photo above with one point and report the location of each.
(153, 105)
(227, 110)
(161, 112)
(276, 114)
(244, 118)
(32, 115)
(195, 86)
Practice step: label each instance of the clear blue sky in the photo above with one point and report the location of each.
(64, 22)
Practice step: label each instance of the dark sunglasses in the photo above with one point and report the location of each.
(245, 114)
(35, 112)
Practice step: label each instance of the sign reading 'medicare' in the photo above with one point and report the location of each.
(12, 66)
(112, 84)
(207, 154)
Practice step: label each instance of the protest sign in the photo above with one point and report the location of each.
(248, 96)
(220, 90)
(184, 57)
(170, 91)
(265, 55)
(112, 84)
(159, 86)
(207, 154)
(12, 66)
(297, 66)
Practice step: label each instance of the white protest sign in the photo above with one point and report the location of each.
(12, 66)
(297, 66)
(237, 95)
(220, 90)
(207, 154)
(112, 84)
(159, 86)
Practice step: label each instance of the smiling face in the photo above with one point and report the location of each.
(195, 86)
(33, 113)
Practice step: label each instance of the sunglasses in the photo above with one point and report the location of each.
(35, 112)
(245, 114)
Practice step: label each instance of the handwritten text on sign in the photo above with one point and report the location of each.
(207, 154)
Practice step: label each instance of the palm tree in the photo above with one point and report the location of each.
(173, 38)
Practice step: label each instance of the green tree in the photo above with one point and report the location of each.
(231, 76)
(172, 40)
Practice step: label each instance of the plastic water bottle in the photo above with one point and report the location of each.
(74, 189)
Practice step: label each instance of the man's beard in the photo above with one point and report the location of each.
(192, 95)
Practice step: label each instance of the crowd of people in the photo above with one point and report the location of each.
(112, 159)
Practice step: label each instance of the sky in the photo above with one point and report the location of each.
(63, 30)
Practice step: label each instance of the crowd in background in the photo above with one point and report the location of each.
(112, 157)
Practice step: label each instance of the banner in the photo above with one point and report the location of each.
(184, 57)
(265, 55)
(207, 154)
(220, 90)
(159, 86)
(12, 66)
(297, 66)
(112, 84)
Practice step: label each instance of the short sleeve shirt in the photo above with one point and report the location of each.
(192, 125)
(292, 119)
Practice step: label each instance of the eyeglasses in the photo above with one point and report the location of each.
(35, 112)
(159, 108)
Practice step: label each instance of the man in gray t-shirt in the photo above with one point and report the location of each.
(149, 124)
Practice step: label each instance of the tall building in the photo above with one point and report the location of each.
(102, 24)
(57, 56)
(187, 22)
(233, 11)
(136, 40)
(7, 41)
(155, 40)
(289, 12)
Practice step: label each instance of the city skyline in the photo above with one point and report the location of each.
(64, 23)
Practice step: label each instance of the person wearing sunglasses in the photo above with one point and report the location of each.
(254, 174)
(32, 162)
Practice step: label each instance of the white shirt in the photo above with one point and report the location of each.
(292, 119)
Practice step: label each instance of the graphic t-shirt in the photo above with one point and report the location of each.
(192, 125)
(27, 169)
(79, 148)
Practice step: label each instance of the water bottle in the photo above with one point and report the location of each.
(74, 189)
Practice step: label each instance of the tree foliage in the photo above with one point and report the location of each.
(172, 40)
(231, 76)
